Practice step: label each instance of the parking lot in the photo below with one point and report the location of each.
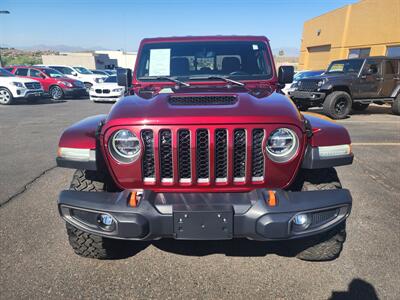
(37, 262)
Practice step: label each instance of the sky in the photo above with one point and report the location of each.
(121, 24)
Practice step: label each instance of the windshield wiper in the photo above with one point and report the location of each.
(219, 77)
(173, 80)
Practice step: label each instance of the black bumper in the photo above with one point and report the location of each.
(75, 92)
(305, 97)
(205, 216)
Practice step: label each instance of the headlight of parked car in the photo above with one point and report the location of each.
(321, 83)
(66, 83)
(18, 84)
(118, 90)
(282, 145)
(124, 146)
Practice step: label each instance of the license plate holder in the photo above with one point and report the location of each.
(203, 223)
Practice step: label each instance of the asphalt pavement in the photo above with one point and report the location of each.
(36, 261)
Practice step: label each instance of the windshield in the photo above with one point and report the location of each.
(111, 79)
(345, 66)
(110, 72)
(82, 70)
(306, 74)
(52, 73)
(233, 59)
(5, 73)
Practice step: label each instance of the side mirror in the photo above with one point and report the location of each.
(124, 78)
(73, 73)
(285, 74)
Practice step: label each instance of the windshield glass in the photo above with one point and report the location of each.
(53, 73)
(306, 74)
(110, 72)
(82, 70)
(5, 73)
(111, 79)
(345, 66)
(233, 59)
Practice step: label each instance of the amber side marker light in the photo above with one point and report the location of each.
(272, 201)
(134, 198)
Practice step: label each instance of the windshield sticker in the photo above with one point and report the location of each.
(255, 47)
(159, 62)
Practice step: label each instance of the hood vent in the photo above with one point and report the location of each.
(202, 100)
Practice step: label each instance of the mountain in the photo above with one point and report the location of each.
(57, 48)
(288, 51)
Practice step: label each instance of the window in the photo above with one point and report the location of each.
(393, 51)
(64, 70)
(236, 59)
(359, 53)
(372, 67)
(35, 73)
(8, 69)
(21, 72)
(345, 66)
(391, 67)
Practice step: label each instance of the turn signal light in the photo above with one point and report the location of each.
(272, 201)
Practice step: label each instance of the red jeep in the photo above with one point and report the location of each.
(207, 148)
(54, 83)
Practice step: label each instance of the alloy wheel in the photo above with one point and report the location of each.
(5, 97)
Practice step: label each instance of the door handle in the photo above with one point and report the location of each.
(379, 79)
(363, 77)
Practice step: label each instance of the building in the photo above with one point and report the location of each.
(124, 59)
(90, 60)
(365, 28)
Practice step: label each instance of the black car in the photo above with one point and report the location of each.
(351, 83)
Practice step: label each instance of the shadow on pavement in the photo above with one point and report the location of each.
(358, 290)
(235, 247)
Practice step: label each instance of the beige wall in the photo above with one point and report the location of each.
(87, 60)
(371, 24)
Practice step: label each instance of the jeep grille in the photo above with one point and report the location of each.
(200, 156)
(308, 85)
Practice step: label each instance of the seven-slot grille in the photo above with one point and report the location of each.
(308, 85)
(202, 158)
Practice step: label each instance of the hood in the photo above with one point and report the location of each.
(106, 85)
(94, 76)
(167, 109)
(332, 76)
(17, 79)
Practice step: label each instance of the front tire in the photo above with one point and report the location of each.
(88, 85)
(56, 93)
(337, 105)
(86, 244)
(6, 97)
(396, 105)
(328, 245)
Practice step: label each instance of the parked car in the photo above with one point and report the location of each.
(205, 150)
(300, 75)
(104, 72)
(14, 88)
(79, 73)
(107, 91)
(54, 83)
(351, 84)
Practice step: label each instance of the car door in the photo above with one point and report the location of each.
(390, 77)
(41, 77)
(371, 80)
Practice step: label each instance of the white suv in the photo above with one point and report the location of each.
(13, 88)
(80, 73)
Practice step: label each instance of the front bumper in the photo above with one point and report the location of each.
(112, 97)
(306, 97)
(27, 94)
(75, 92)
(205, 216)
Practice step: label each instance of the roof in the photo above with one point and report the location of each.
(205, 38)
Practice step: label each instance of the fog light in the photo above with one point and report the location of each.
(300, 219)
(106, 220)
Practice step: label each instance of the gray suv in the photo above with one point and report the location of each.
(351, 84)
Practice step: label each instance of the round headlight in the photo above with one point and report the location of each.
(124, 146)
(282, 145)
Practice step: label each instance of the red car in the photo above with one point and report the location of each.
(54, 83)
(208, 148)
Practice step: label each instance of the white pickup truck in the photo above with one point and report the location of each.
(13, 88)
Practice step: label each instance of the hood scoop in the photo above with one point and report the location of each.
(203, 100)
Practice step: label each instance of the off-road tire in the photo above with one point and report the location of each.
(6, 96)
(56, 93)
(328, 245)
(396, 105)
(87, 244)
(360, 106)
(337, 105)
